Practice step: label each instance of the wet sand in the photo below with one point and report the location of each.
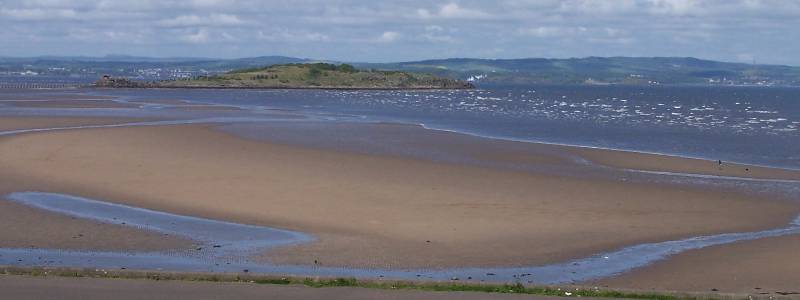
(377, 211)
(26, 94)
(407, 140)
(766, 266)
(26, 227)
(22, 288)
(15, 123)
(665, 163)
(182, 105)
(161, 101)
(69, 104)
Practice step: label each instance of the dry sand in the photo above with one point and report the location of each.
(761, 266)
(23, 288)
(25, 227)
(376, 211)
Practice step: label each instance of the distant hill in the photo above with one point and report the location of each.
(590, 70)
(302, 76)
(130, 66)
(602, 70)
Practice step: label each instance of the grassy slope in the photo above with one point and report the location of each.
(673, 70)
(318, 76)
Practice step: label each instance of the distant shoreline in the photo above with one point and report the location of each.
(299, 76)
(282, 88)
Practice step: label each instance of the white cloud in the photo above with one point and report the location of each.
(364, 30)
(602, 7)
(38, 14)
(195, 20)
(434, 28)
(199, 37)
(389, 36)
(675, 7)
(453, 11)
(436, 34)
(210, 3)
(552, 31)
(285, 35)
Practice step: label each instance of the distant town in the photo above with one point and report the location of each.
(133, 73)
(577, 71)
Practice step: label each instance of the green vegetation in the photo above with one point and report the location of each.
(588, 70)
(484, 288)
(603, 70)
(565, 291)
(318, 75)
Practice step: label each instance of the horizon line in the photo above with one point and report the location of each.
(111, 56)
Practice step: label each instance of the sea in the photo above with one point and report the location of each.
(754, 125)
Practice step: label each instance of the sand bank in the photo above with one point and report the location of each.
(25, 227)
(377, 211)
(408, 140)
(767, 266)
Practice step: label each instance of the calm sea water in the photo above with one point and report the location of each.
(743, 124)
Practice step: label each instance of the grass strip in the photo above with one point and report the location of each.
(518, 288)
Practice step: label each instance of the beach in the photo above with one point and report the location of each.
(30, 228)
(759, 267)
(400, 149)
(376, 210)
(396, 197)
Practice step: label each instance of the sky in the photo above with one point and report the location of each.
(765, 31)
